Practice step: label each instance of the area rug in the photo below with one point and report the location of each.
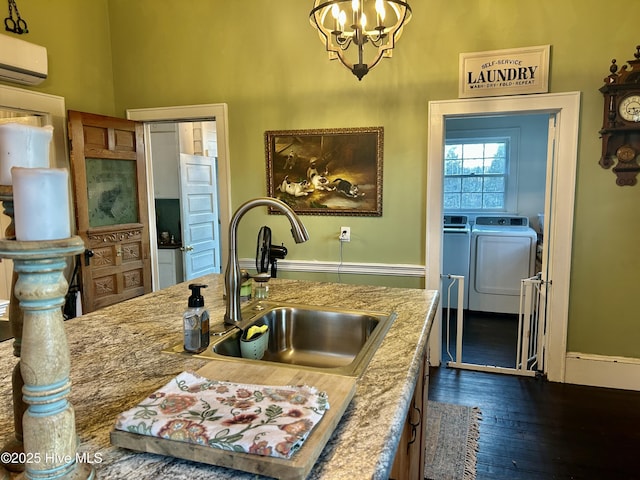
(452, 441)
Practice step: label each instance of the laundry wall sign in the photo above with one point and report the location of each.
(515, 71)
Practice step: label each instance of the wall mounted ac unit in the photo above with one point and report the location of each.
(22, 62)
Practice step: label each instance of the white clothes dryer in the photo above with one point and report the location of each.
(456, 241)
(503, 252)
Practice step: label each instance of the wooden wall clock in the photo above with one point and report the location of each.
(621, 122)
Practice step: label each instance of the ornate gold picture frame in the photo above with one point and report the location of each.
(327, 171)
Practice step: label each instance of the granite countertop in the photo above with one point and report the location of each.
(117, 360)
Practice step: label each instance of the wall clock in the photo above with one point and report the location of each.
(620, 131)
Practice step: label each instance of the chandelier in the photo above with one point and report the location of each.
(375, 24)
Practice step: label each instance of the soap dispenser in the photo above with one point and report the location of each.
(196, 321)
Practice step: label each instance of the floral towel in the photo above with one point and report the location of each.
(265, 420)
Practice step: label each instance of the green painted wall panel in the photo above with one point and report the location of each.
(77, 36)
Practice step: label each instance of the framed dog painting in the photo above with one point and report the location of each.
(326, 172)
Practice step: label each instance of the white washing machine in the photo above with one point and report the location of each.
(456, 242)
(503, 251)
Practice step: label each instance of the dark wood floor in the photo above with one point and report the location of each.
(538, 430)
(489, 338)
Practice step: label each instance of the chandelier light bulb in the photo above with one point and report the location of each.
(380, 11)
(342, 20)
(335, 11)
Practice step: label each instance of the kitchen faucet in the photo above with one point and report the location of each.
(232, 279)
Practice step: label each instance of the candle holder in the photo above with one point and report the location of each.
(48, 424)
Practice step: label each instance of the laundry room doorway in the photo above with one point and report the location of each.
(549, 191)
(494, 176)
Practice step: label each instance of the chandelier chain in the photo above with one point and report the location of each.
(17, 25)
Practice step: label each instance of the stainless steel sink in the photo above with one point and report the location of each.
(318, 338)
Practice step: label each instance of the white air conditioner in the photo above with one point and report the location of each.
(22, 62)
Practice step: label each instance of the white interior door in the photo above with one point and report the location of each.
(199, 215)
(542, 299)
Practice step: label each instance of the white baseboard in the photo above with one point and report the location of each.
(603, 371)
(401, 270)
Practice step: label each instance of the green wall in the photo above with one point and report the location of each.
(77, 36)
(265, 61)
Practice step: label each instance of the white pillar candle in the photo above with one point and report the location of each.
(41, 203)
(23, 146)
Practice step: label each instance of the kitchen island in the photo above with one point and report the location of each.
(117, 360)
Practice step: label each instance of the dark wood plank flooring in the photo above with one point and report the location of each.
(489, 338)
(538, 430)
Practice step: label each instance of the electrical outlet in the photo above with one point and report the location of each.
(345, 234)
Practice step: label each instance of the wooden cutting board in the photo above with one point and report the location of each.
(339, 389)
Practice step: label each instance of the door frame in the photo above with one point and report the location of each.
(558, 227)
(51, 107)
(186, 113)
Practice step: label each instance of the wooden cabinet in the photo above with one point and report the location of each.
(109, 184)
(169, 266)
(410, 456)
(119, 266)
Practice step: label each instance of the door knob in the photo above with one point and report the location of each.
(188, 248)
